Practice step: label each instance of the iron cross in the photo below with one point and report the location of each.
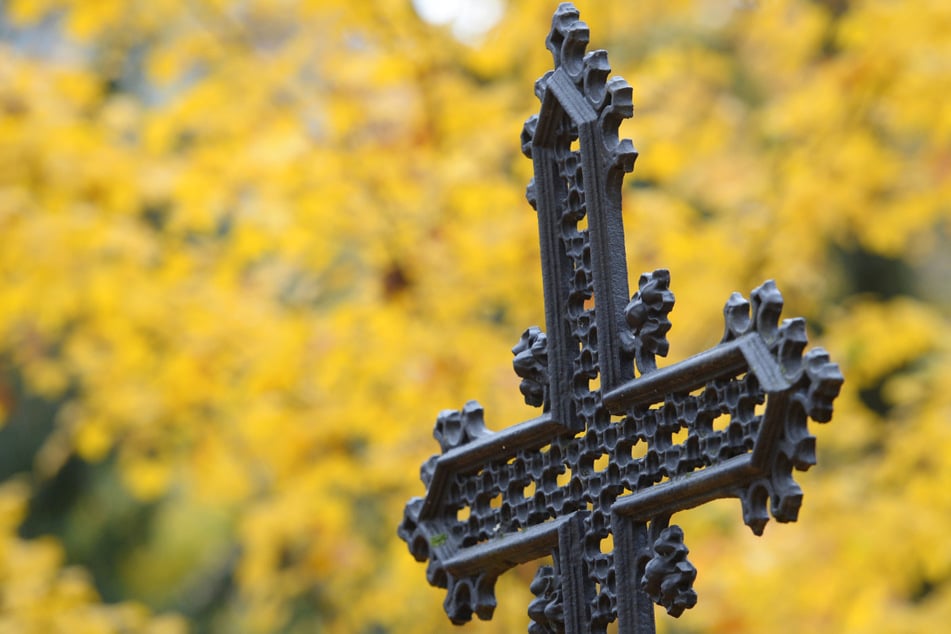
(620, 444)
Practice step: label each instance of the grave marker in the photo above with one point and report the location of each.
(613, 452)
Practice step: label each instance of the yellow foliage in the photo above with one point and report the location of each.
(252, 248)
(41, 594)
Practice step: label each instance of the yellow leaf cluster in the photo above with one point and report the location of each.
(41, 594)
(253, 247)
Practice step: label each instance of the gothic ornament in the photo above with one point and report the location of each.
(619, 457)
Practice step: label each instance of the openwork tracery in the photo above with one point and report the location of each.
(622, 457)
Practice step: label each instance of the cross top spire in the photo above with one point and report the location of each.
(579, 168)
(613, 451)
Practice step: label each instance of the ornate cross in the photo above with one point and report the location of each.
(611, 453)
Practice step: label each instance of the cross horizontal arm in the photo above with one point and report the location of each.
(687, 491)
(507, 551)
(472, 456)
(727, 359)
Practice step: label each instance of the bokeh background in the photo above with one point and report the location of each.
(252, 247)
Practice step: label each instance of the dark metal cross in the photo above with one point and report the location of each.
(611, 453)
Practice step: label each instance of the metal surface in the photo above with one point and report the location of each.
(613, 452)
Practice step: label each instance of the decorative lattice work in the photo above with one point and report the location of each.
(614, 456)
(611, 455)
